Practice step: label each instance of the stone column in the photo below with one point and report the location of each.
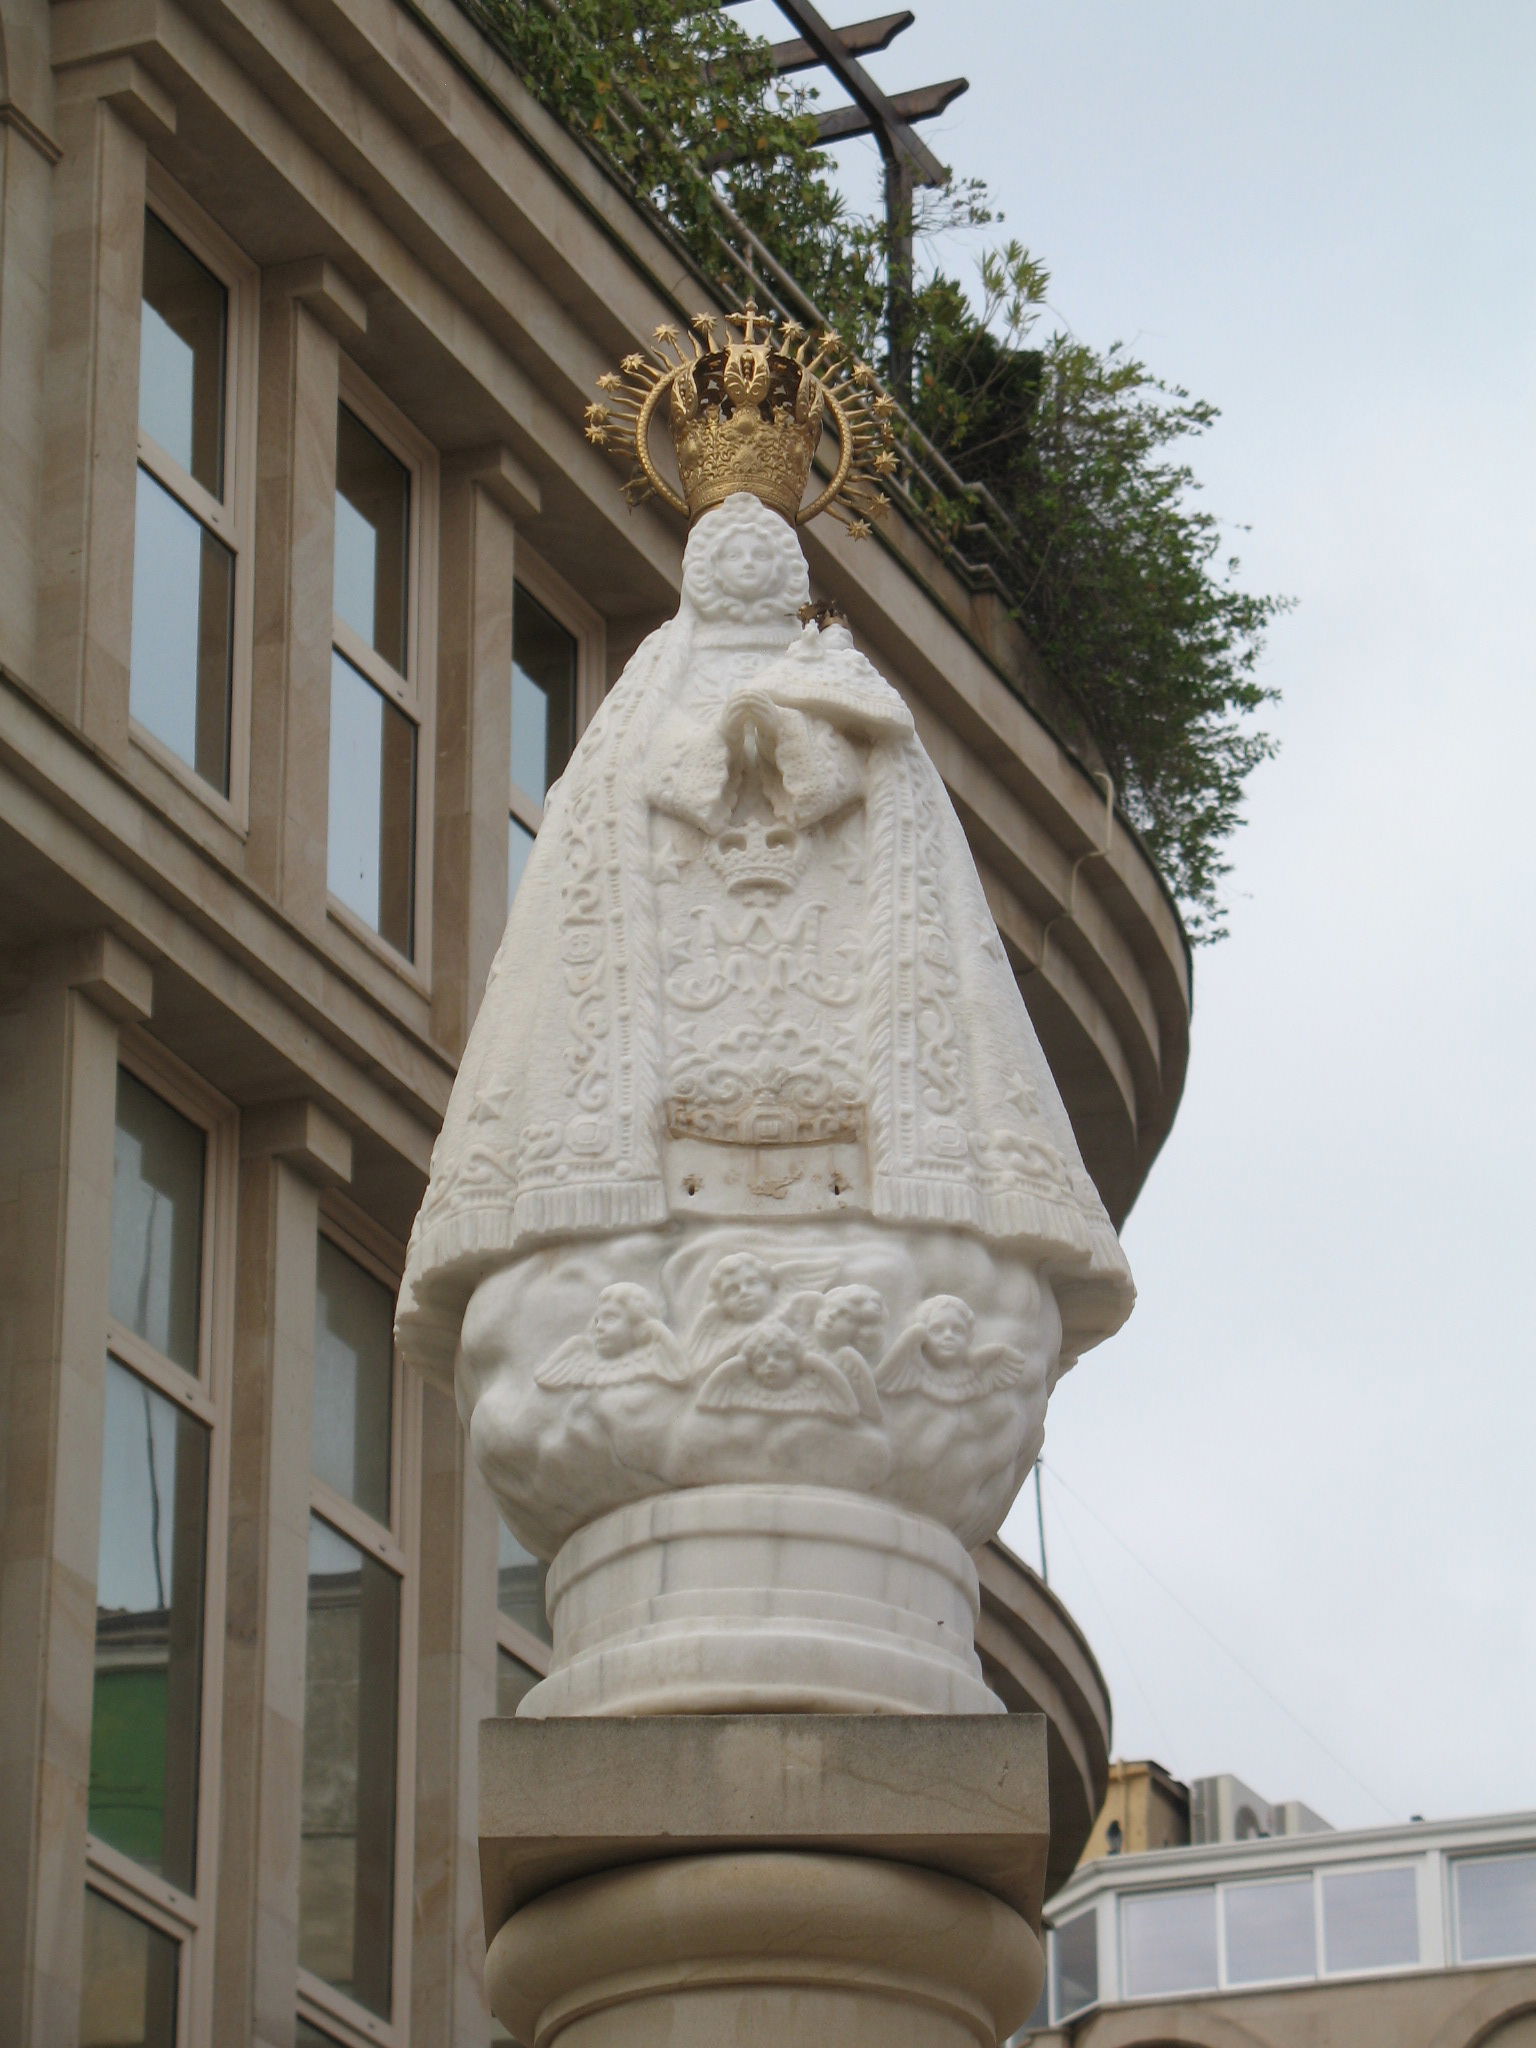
(58, 1056)
(289, 1152)
(872, 1882)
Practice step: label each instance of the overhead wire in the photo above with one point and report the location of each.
(1226, 1649)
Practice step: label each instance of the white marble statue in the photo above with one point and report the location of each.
(754, 1174)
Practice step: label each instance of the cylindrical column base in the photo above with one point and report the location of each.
(764, 1949)
(762, 1599)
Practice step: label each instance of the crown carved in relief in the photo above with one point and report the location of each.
(747, 414)
(754, 859)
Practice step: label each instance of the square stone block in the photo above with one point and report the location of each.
(964, 1795)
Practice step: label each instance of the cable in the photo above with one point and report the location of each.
(1109, 1623)
(1226, 1650)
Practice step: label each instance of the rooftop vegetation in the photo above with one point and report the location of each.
(1054, 472)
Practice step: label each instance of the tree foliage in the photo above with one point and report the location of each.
(1091, 518)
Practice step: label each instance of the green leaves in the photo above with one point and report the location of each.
(1088, 512)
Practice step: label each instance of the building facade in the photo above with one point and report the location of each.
(308, 582)
(1415, 1936)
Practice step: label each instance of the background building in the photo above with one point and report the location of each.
(308, 582)
(1259, 1924)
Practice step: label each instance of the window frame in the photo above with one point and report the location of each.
(414, 692)
(1454, 1864)
(586, 627)
(189, 1917)
(397, 1547)
(230, 519)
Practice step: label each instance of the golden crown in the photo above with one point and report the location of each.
(747, 414)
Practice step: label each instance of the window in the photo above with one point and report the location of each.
(545, 678)
(196, 361)
(522, 1651)
(356, 1746)
(153, 1771)
(1271, 1931)
(1075, 1963)
(377, 834)
(1370, 1919)
(1168, 1941)
(1495, 1907)
(131, 1977)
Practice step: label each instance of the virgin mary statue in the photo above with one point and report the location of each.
(750, 974)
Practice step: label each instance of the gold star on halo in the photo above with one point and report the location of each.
(598, 436)
(863, 375)
(886, 463)
(665, 332)
(634, 364)
(610, 380)
(859, 529)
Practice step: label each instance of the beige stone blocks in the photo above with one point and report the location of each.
(703, 1881)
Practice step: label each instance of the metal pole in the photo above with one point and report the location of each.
(899, 255)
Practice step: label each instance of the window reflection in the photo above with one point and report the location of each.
(157, 1222)
(183, 632)
(354, 1377)
(1075, 1947)
(1496, 1908)
(1169, 1940)
(1370, 1919)
(514, 1681)
(182, 354)
(128, 1986)
(543, 697)
(1270, 1931)
(520, 1586)
(373, 519)
(347, 1850)
(370, 851)
(146, 1703)
(519, 846)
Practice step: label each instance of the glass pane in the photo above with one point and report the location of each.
(514, 1681)
(1170, 1941)
(1270, 1931)
(145, 1711)
(520, 1586)
(354, 1380)
(128, 1986)
(157, 1222)
(372, 843)
(1370, 1919)
(519, 846)
(183, 628)
(543, 697)
(373, 525)
(182, 356)
(347, 1850)
(1075, 1952)
(1496, 1908)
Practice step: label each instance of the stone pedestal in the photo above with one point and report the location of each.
(762, 1599)
(717, 1881)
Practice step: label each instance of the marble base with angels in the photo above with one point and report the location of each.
(755, 1187)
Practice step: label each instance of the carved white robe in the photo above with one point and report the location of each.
(641, 998)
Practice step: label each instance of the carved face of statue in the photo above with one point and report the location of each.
(744, 563)
(772, 1354)
(615, 1325)
(947, 1328)
(743, 1286)
(850, 1315)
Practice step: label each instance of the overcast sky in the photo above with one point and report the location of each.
(1319, 1428)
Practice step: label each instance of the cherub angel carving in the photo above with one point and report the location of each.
(847, 1325)
(624, 1340)
(744, 1287)
(775, 1372)
(937, 1355)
